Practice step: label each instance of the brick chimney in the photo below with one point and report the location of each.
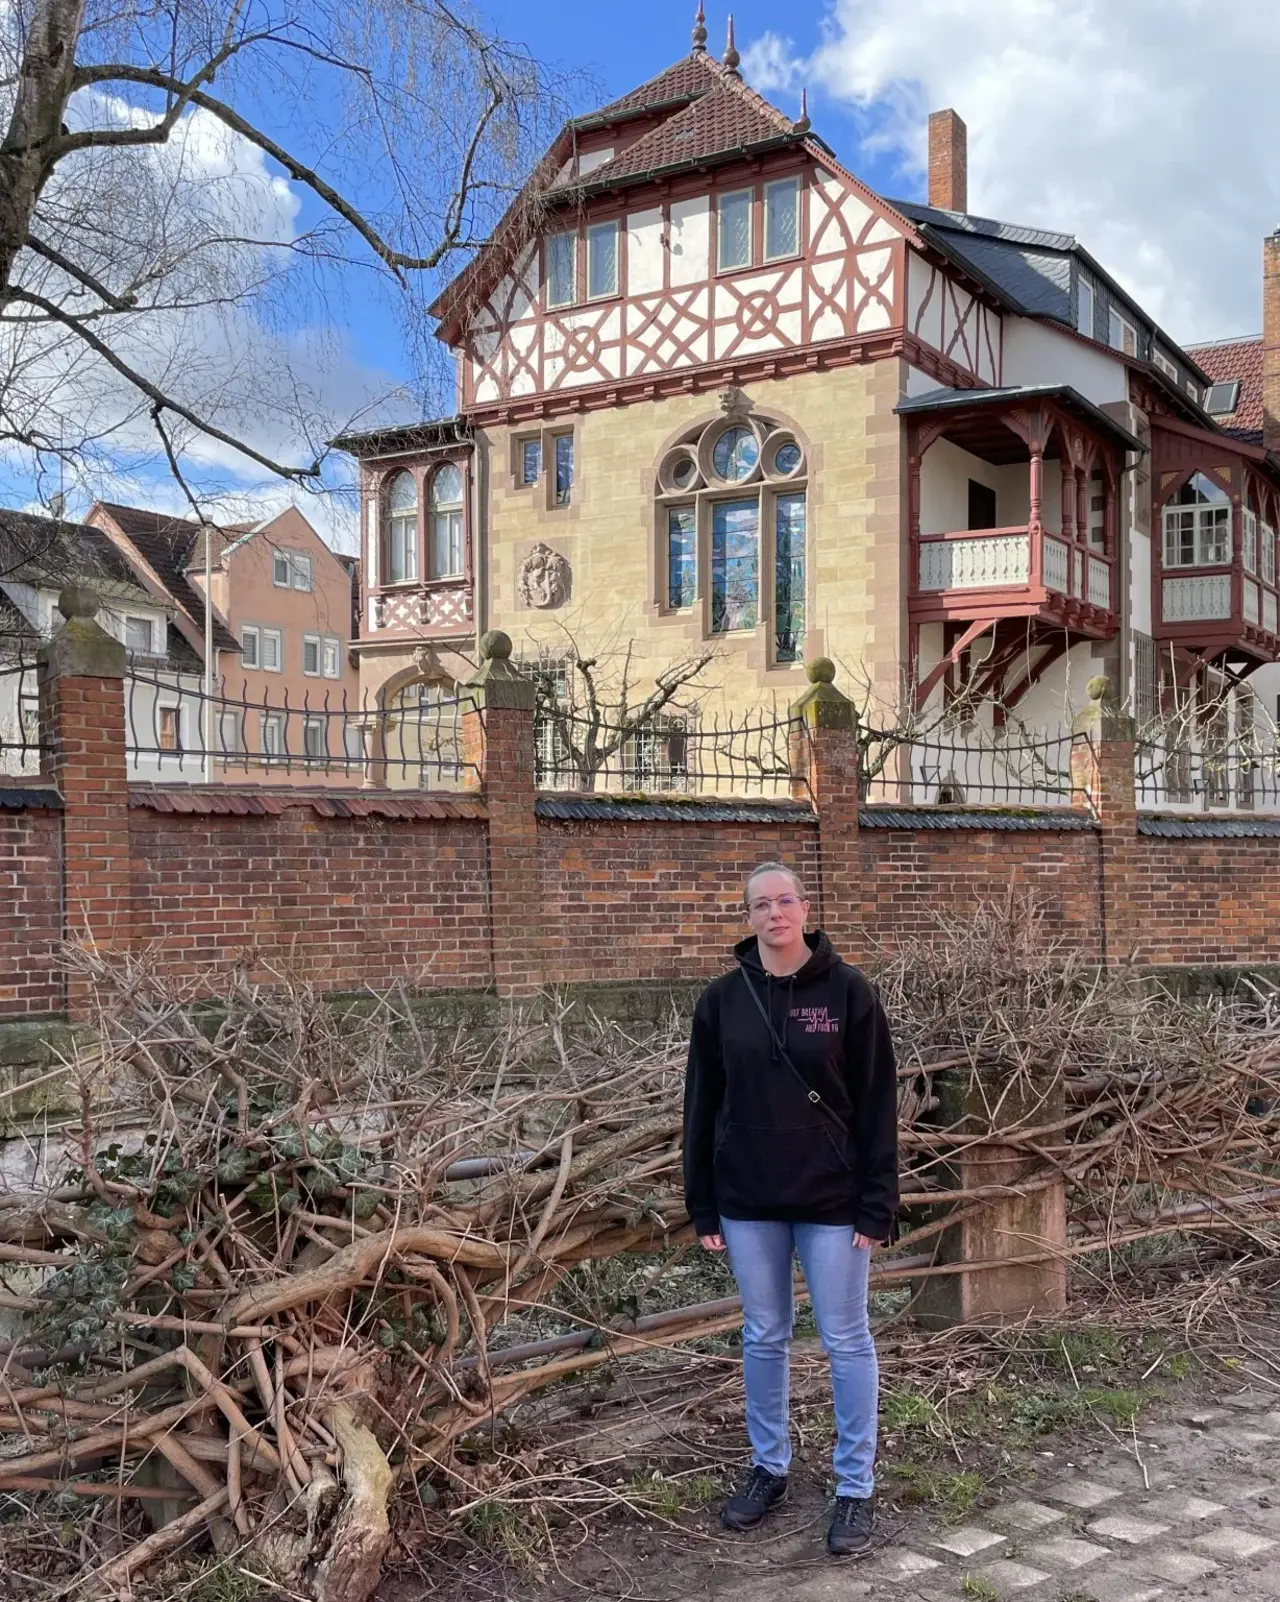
(1271, 341)
(948, 162)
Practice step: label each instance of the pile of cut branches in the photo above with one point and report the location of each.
(281, 1261)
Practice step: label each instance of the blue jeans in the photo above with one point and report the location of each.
(835, 1271)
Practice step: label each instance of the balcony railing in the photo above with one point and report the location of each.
(1003, 559)
(1203, 595)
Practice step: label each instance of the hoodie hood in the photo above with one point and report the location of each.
(822, 958)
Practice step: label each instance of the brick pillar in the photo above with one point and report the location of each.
(498, 739)
(826, 770)
(1102, 776)
(82, 725)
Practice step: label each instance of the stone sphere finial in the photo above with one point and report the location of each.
(78, 600)
(1099, 688)
(495, 646)
(822, 670)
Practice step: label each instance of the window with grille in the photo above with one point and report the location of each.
(1197, 526)
(1146, 680)
(733, 229)
(656, 757)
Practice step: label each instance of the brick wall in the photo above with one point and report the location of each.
(30, 908)
(1205, 902)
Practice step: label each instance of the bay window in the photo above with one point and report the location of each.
(1197, 526)
(402, 529)
(446, 522)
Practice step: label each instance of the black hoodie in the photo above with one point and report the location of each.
(755, 1144)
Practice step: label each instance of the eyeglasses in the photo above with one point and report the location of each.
(784, 903)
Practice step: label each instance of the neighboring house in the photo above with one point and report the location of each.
(715, 391)
(288, 695)
(39, 557)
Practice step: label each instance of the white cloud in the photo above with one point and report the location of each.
(1147, 128)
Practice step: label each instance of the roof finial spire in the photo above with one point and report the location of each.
(700, 32)
(802, 123)
(731, 56)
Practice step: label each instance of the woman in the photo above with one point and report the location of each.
(791, 1147)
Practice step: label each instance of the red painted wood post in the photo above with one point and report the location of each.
(1103, 750)
(82, 728)
(497, 737)
(827, 770)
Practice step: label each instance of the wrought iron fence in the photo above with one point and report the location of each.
(967, 768)
(1186, 773)
(670, 754)
(20, 744)
(175, 732)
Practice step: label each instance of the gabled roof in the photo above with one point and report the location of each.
(941, 401)
(681, 82)
(50, 553)
(166, 544)
(1242, 359)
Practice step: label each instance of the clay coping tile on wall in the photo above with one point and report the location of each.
(23, 798)
(619, 809)
(1183, 828)
(233, 803)
(1046, 818)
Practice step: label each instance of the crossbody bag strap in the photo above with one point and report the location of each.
(809, 1091)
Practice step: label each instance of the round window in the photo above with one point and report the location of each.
(736, 453)
(787, 457)
(684, 472)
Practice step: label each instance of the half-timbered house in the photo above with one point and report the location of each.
(713, 391)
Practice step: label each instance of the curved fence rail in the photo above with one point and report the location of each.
(966, 769)
(20, 744)
(1182, 774)
(177, 733)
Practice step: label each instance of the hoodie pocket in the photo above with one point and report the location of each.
(791, 1170)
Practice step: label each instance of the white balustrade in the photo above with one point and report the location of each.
(1269, 612)
(1055, 565)
(1099, 582)
(1189, 600)
(1252, 602)
(1077, 574)
(977, 564)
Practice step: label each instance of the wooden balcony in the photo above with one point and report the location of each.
(969, 574)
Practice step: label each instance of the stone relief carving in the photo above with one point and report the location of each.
(544, 578)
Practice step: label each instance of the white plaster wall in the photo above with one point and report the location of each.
(921, 383)
(1139, 582)
(690, 239)
(1053, 700)
(1265, 684)
(944, 489)
(1037, 353)
(644, 251)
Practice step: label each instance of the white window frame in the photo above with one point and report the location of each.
(330, 656)
(1250, 521)
(314, 726)
(572, 296)
(1160, 360)
(1084, 292)
(142, 623)
(250, 631)
(179, 729)
(301, 564)
(722, 265)
(1117, 321)
(771, 189)
(273, 746)
(402, 524)
(1268, 554)
(271, 637)
(235, 745)
(598, 231)
(1207, 521)
(311, 642)
(289, 567)
(447, 528)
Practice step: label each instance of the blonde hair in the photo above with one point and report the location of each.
(773, 867)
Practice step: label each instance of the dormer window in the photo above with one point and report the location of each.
(1121, 334)
(1222, 398)
(402, 529)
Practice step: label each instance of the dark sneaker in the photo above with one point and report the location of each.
(852, 1525)
(755, 1501)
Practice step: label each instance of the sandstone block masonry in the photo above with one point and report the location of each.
(499, 888)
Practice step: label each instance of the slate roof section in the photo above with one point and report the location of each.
(1181, 827)
(623, 809)
(1030, 267)
(29, 797)
(1004, 821)
(1242, 359)
(167, 544)
(220, 802)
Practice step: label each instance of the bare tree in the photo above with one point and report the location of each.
(192, 195)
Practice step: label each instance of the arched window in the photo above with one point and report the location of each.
(402, 529)
(732, 505)
(1197, 525)
(446, 522)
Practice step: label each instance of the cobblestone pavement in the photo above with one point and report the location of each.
(1203, 1522)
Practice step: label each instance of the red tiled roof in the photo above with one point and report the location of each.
(1242, 359)
(727, 119)
(684, 81)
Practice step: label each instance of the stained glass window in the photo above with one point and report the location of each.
(735, 565)
(734, 242)
(787, 458)
(789, 525)
(682, 560)
(736, 452)
(781, 218)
